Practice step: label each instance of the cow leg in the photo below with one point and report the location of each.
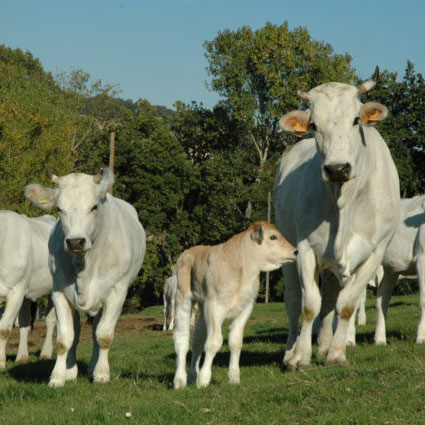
(199, 338)
(346, 305)
(361, 315)
(103, 329)
(214, 317)
(420, 267)
(14, 299)
(65, 338)
(193, 315)
(24, 318)
(71, 362)
(311, 300)
(173, 314)
(330, 290)
(292, 306)
(181, 336)
(164, 327)
(47, 349)
(235, 343)
(385, 290)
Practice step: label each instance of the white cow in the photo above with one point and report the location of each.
(337, 198)
(96, 251)
(169, 297)
(405, 255)
(24, 274)
(223, 280)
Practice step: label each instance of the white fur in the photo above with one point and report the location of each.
(343, 225)
(93, 275)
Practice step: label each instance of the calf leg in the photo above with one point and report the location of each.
(383, 298)
(181, 336)
(199, 338)
(47, 349)
(214, 317)
(235, 343)
(24, 319)
(361, 315)
(173, 313)
(164, 327)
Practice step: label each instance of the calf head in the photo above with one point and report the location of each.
(335, 117)
(271, 248)
(79, 199)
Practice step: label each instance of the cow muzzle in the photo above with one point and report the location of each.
(338, 173)
(76, 245)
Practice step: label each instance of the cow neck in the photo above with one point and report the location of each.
(346, 200)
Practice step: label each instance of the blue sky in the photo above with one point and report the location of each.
(153, 48)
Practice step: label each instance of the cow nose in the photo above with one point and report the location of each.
(338, 172)
(296, 252)
(76, 244)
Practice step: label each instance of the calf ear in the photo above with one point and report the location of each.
(105, 181)
(296, 122)
(371, 113)
(257, 234)
(41, 196)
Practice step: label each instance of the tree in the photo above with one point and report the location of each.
(259, 73)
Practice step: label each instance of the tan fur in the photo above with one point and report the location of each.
(224, 280)
(347, 312)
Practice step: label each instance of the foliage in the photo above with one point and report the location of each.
(404, 129)
(35, 131)
(259, 73)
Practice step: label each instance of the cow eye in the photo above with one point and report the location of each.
(356, 121)
(273, 237)
(94, 208)
(313, 126)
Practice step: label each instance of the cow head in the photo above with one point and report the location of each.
(79, 199)
(335, 117)
(271, 248)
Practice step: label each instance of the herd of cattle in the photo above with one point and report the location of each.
(336, 200)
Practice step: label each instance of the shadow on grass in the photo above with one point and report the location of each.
(39, 371)
(164, 378)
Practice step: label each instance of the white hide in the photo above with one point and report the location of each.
(24, 273)
(336, 197)
(96, 251)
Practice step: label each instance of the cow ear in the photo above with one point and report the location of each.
(296, 122)
(41, 196)
(257, 234)
(371, 113)
(105, 181)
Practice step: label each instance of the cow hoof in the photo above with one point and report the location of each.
(420, 340)
(322, 353)
(101, 378)
(191, 377)
(351, 343)
(56, 383)
(380, 342)
(234, 378)
(336, 362)
(45, 356)
(72, 373)
(2, 365)
(179, 382)
(22, 359)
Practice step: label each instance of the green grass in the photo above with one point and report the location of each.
(381, 385)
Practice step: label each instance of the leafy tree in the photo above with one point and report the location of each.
(404, 129)
(259, 72)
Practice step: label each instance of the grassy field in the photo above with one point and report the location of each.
(381, 385)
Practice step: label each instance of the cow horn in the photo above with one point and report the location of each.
(303, 94)
(369, 84)
(54, 178)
